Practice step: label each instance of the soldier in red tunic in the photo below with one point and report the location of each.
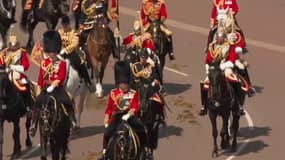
(122, 105)
(155, 10)
(223, 6)
(51, 77)
(223, 51)
(16, 61)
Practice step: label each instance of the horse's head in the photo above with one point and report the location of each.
(126, 142)
(218, 83)
(48, 115)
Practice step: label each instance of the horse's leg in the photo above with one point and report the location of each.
(54, 148)
(80, 105)
(16, 137)
(235, 128)
(43, 141)
(224, 132)
(1, 138)
(31, 28)
(95, 65)
(28, 125)
(213, 117)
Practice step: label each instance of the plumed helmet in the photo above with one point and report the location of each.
(122, 72)
(51, 41)
(13, 40)
(65, 20)
(221, 33)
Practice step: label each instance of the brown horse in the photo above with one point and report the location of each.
(99, 50)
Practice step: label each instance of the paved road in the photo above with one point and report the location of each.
(189, 136)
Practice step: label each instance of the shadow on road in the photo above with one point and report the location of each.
(254, 132)
(175, 88)
(253, 147)
(88, 131)
(170, 131)
(259, 89)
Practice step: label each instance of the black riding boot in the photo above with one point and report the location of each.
(245, 75)
(238, 96)
(170, 48)
(204, 97)
(112, 40)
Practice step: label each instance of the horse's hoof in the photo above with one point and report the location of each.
(99, 95)
(29, 143)
(15, 155)
(215, 154)
(43, 158)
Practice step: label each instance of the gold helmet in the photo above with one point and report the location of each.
(13, 40)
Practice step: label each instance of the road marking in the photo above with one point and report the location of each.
(176, 71)
(205, 31)
(246, 141)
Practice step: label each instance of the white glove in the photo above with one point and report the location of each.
(50, 88)
(207, 68)
(62, 52)
(18, 68)
(228, 72)
(225, 65)
(126, 117)
(238, 50)
(106, 125)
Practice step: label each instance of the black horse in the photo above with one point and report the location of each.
(124, 144)
(12, 108)
(219, 102)
(7, 11)
(151, 114)
(161, 47)
(54, 126)
(50, 12)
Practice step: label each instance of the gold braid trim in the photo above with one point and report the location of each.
(217, 53)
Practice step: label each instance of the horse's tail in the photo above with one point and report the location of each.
(24, 20)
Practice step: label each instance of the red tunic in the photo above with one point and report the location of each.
(18, 57)
(239, 43)
(231, 55)
(147, 42)
(223, 4)
(51, 72)
(118, 99)
(153, 11)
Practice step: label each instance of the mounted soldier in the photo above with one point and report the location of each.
(222, 52)
(70, 42)
(122, 105)
(155, 11)
(51, 78)
(17, 63)
(220, 11)
(98, 11)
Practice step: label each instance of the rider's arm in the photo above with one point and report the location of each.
(109, 108)
(235, 7)
(163, 13)
(61, 74)
(134, 105)
(25, 61)
(143, 15)
(209, 58)
(213, 16)
(128, 39)
(41, 76)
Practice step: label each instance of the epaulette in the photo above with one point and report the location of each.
(144, 1)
